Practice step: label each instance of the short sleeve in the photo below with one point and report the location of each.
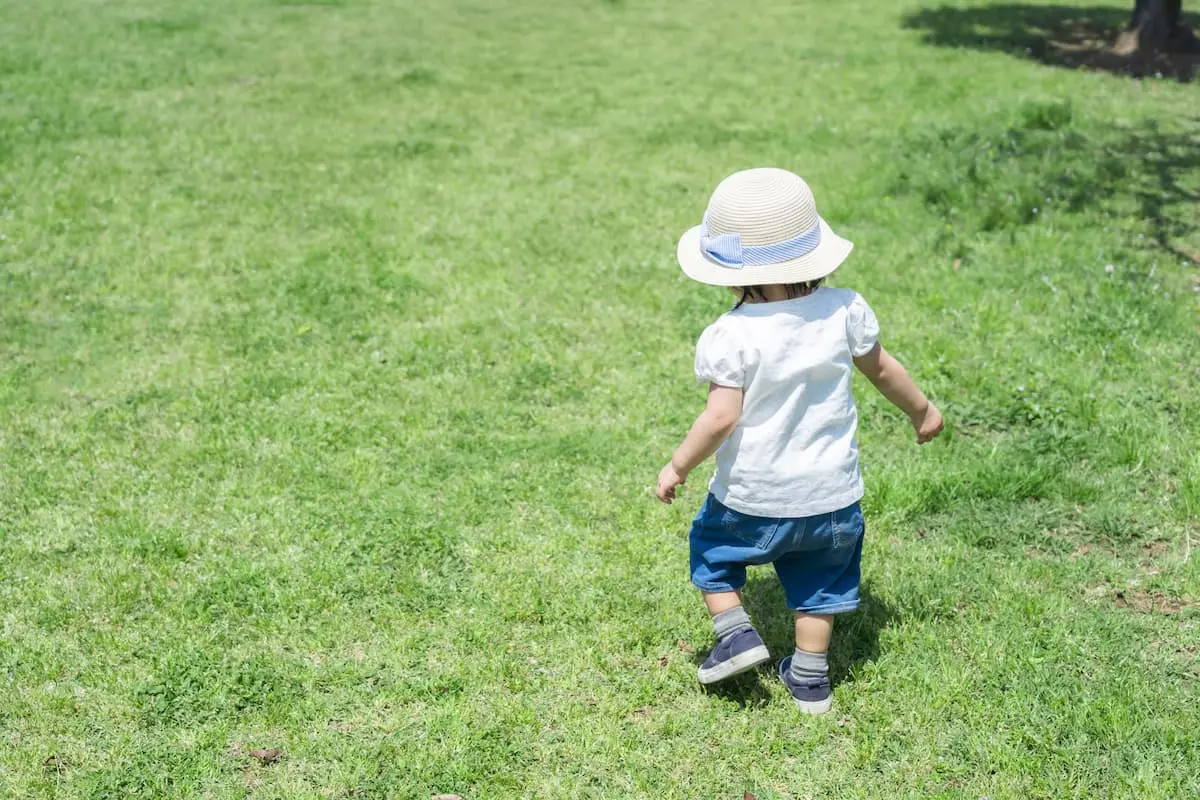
(862, 328)
(720, 358)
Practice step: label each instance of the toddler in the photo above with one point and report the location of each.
(781, 419)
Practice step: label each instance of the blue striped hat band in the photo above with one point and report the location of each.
(728, 250)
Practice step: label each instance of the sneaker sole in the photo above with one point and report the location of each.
(814, 706)
(734, 666)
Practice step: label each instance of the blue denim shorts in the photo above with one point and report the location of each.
(818, 559)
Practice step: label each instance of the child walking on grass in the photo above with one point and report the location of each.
(781, 419)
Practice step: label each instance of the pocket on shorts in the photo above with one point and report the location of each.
(758, 532)
(848, 527)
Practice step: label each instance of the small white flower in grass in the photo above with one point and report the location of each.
(1109, 268)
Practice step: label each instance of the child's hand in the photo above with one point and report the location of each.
(668, 479)
(928, 425)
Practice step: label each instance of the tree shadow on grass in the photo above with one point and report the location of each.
(855, 638)
(1062, 36)
(995, 180)
(1168, 190)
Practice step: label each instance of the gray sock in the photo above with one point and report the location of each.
(730, 622)
(806, 665)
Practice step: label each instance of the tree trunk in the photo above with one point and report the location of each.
(1156, 26)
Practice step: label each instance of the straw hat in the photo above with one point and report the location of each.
(761, 227)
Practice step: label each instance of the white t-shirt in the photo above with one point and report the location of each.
(793, 453)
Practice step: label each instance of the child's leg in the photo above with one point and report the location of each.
(728, 616)
(718, 602)
(739, 647)
(820, 579)
(718, 564)
(813, 631)
(806, 672)
(811, 659)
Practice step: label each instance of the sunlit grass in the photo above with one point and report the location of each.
(340, 343)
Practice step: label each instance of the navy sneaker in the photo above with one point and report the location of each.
(812, 695)
(733, 655)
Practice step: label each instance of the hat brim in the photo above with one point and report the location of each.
(823, 260)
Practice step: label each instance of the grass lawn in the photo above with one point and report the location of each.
(341, 342)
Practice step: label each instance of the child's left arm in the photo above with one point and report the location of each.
(711, 428)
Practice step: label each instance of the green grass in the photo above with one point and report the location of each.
(340, 344)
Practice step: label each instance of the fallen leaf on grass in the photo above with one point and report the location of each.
(685, 647)
(957, 264)
(54, 763)
(446, 797)
(748, 796)
(266, 755)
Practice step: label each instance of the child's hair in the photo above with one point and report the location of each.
(793, 290)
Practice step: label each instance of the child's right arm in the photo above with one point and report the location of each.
(893, 382)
